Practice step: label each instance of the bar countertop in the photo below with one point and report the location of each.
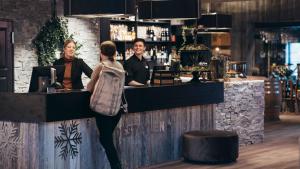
(66, 105)
(170, 96)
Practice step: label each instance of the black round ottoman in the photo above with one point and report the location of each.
(212, 147)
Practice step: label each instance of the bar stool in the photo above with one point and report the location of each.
(213, 147)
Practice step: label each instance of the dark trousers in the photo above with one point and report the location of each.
(106, 126)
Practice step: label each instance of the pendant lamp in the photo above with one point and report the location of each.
(99, 8)
(168, 9)
(215, 21)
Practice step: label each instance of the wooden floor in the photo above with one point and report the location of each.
(280, 150)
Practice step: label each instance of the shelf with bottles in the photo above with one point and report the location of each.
(193, 48)
(154, 33)
(155, 53)
(139, 22)
(128, 30)
(123, 32)
(151, 34)
(147, 42)
(122, 21)
(123, 41)
(191, 51)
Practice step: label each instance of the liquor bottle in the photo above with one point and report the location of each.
(133, 34)
(167, 35)
(154, 37)
(151, 34)
(154, 57)
(148, 33)
(151, 53)
(162, 34)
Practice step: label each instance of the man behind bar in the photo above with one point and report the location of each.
(137, 68)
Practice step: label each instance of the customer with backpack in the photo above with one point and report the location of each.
(107, 84)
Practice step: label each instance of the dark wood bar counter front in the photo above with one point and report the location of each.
(57, 130)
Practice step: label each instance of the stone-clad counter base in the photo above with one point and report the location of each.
(243, 110)
(142, 139)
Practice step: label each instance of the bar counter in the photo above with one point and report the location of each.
(56, 130)
(67, 105)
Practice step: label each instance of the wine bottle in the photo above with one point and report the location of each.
(133, 34)
(162, 34)
(154, 57)
(148, 33)
(151, 34)
(167, 35)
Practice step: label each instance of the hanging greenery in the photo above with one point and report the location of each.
(50, 38)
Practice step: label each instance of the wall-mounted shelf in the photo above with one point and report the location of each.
(123, 32)
(192, 51)
(121, 41)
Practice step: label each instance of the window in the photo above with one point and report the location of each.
(292, 56)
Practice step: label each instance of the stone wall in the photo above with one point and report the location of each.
(243, 110)
(28, 17)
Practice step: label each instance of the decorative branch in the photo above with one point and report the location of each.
(51, 37)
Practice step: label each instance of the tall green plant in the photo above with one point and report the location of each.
(50, 38)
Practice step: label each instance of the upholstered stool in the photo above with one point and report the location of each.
(210, 146)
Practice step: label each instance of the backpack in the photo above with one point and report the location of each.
(106, 98)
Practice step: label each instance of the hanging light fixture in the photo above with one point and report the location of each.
(99, 8)
(215, 21)
(168, 9)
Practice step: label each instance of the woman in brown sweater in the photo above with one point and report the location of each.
(74, 67)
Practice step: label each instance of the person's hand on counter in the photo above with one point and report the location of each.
(135, 83)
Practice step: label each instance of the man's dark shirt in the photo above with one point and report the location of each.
(137, 70)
